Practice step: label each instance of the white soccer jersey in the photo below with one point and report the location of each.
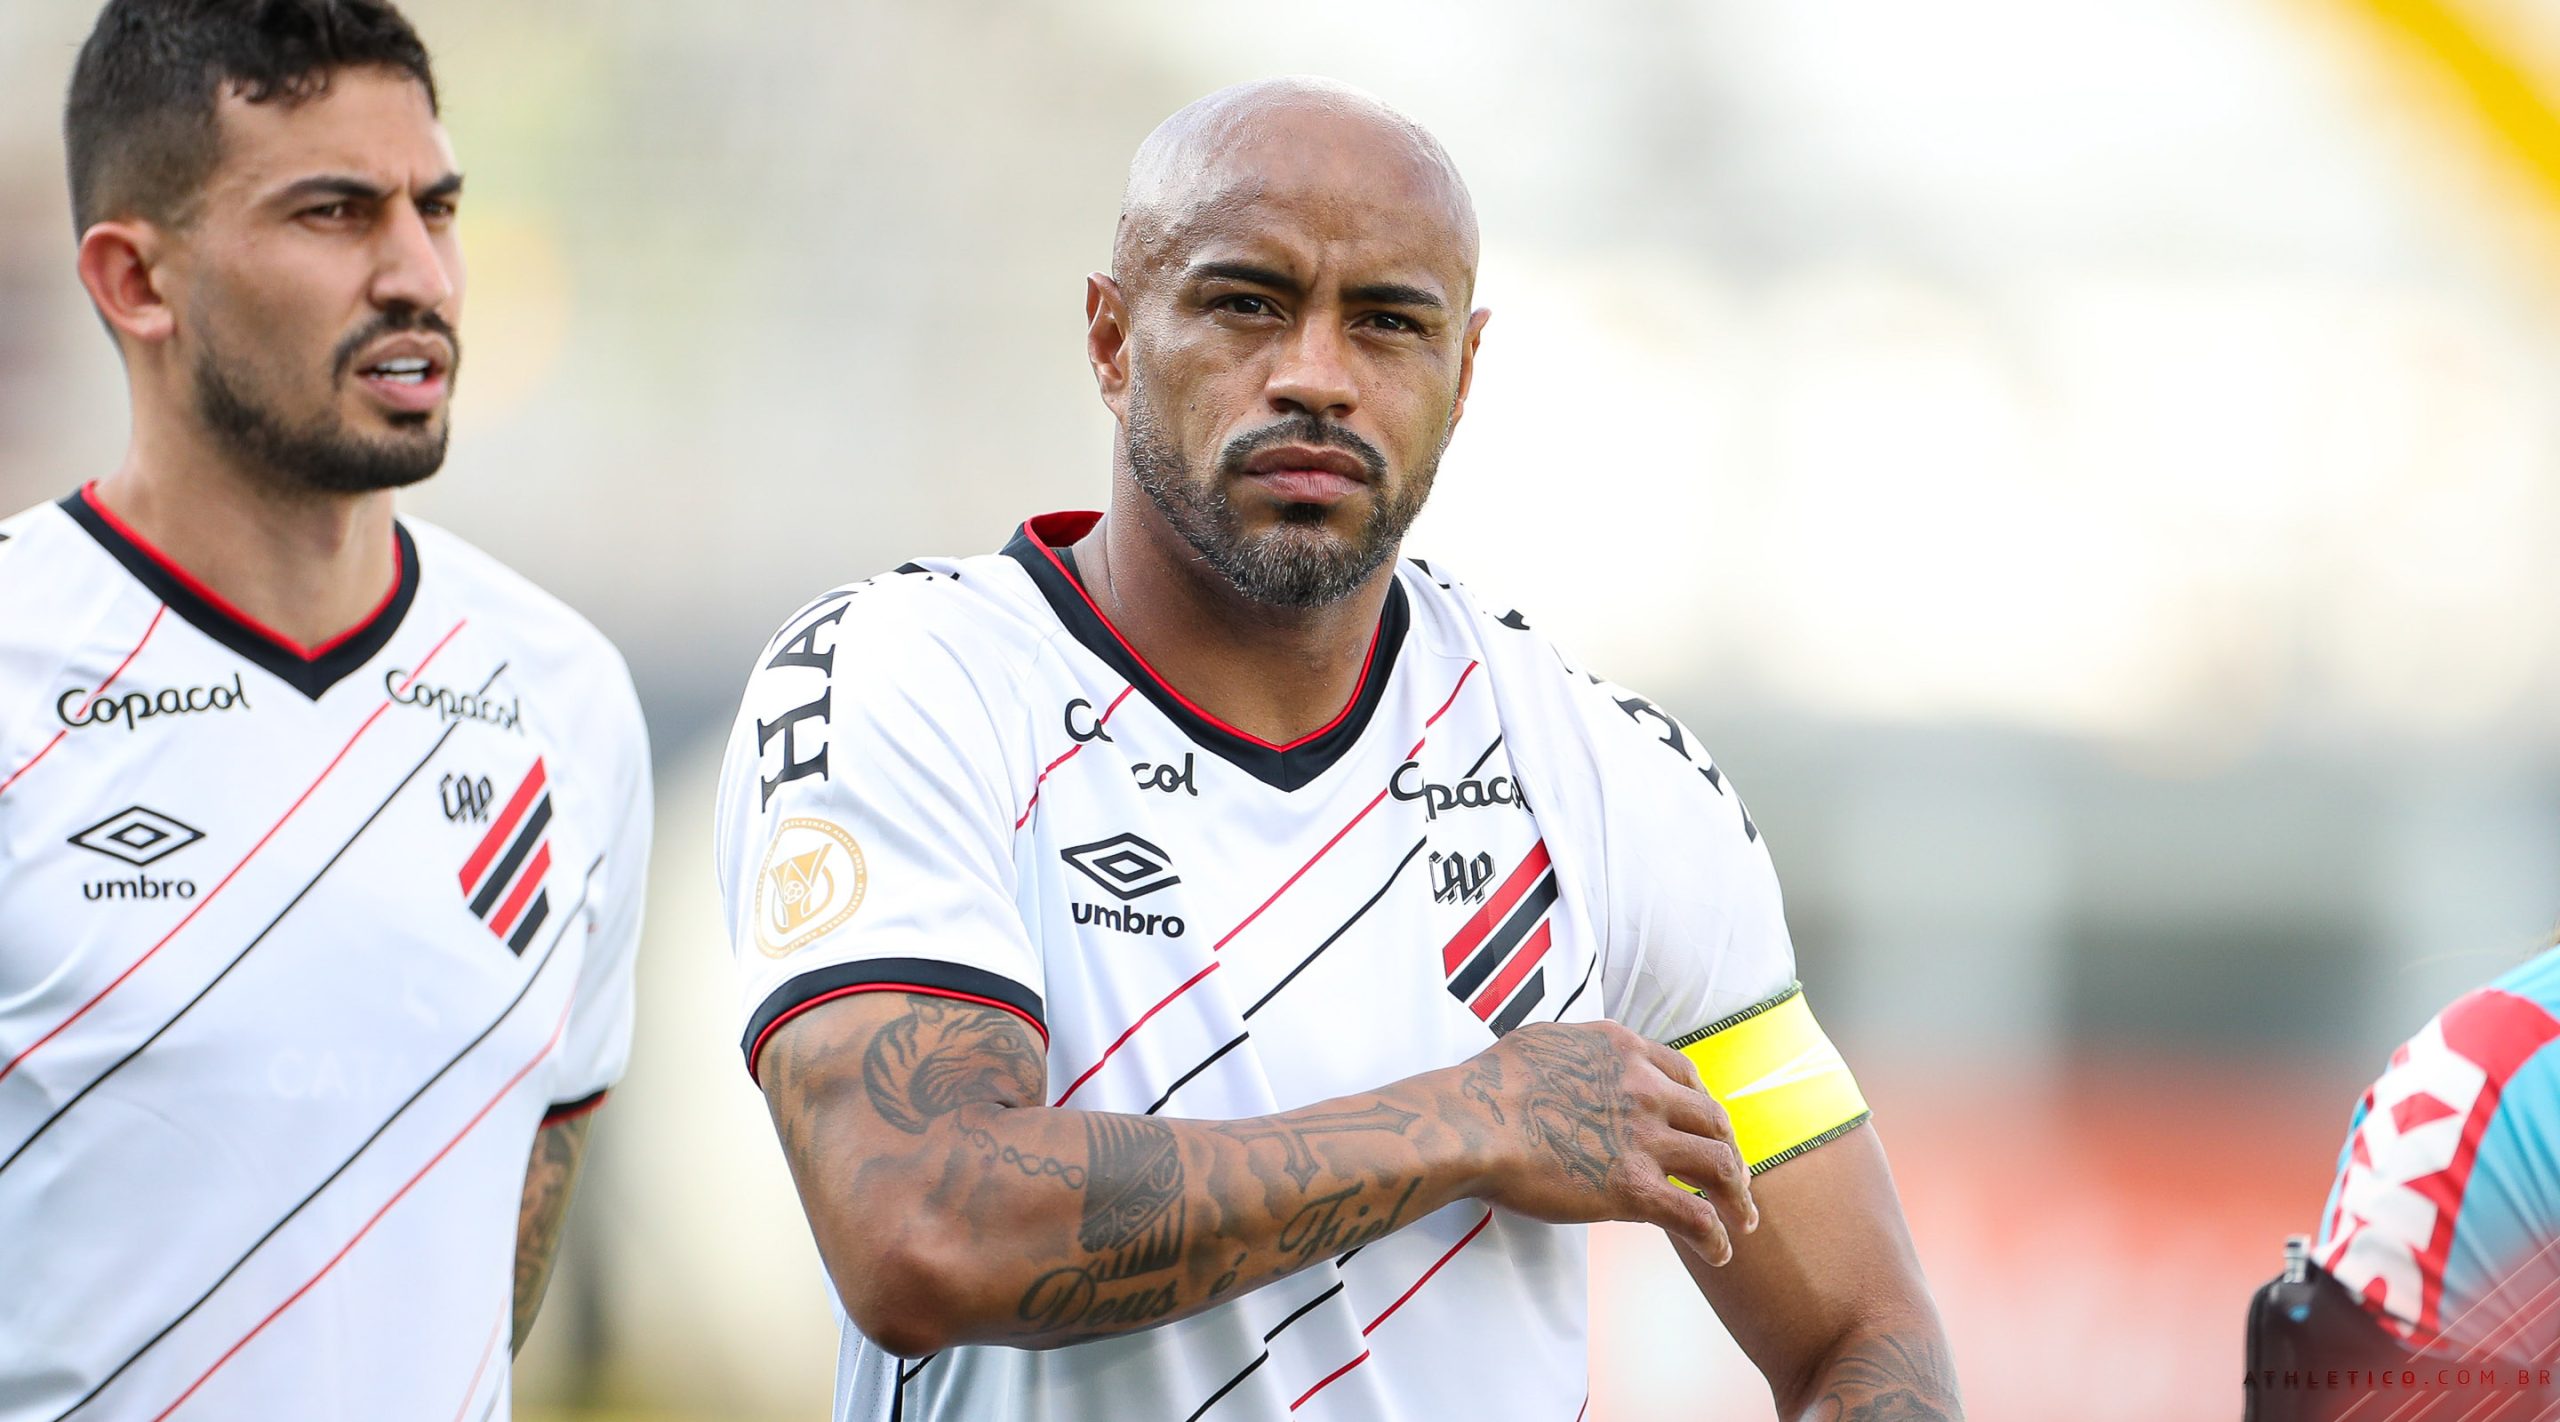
(298, 946)
(958, 779)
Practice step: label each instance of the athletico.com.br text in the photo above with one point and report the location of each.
(2384, 1380)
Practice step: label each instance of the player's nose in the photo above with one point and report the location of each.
(411, 267)
(1313, 372)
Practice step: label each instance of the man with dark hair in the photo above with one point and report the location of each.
(140, 128)
(1202, 966)
(324, 835)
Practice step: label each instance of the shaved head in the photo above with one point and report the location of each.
(1252, 142)
(1285, 335)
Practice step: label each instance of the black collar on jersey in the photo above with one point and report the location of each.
(309, 670)
(1040, 546)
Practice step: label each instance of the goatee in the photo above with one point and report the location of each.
(1301, 563)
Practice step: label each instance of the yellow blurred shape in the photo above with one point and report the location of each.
(516, 309)
(2501, 85)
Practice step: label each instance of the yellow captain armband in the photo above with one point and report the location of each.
(1778, 1077)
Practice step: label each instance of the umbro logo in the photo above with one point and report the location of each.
(138, 835)
(1126, 866)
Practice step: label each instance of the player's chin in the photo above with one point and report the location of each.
(399, 429)
(1306, 538)
(1340, 517)
(388, 457)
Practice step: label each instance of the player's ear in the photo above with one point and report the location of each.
(1106, 338)
(119, 265)
(1467, 360)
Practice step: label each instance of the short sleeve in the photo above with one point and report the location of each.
(597, 1044)
(1697, 931)
(1696, 953)
(865, 821)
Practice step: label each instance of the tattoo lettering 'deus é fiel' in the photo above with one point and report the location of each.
(1332, 1225)
(1133, 1226)
(941, 1055)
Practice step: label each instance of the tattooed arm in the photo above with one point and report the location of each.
(1827, 1298)
(558, 1150)
(951, 1206)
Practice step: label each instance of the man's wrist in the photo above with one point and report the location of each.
(1472, 1152)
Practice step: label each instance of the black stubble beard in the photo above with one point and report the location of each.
(324, 457)
(1296, 565)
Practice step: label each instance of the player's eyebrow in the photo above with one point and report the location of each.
(1247, 272)
(339, 185)
(1394, 293)
(1376, 293)
(332, 185)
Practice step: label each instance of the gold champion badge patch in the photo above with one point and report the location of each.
(812, 882)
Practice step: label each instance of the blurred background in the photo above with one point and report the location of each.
(2086, 469)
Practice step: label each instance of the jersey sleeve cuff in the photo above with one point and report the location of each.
(930, 976)
(571, 1110)
(1778, 1077)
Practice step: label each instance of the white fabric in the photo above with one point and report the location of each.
(267, 1094)
(1300, 953)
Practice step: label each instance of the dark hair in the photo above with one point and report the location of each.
(139, 124)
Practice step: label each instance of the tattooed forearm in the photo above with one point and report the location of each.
(953, 1207)
(1156, 1237)
(1292, 1132)
(1333, 1225)
(550, 1176)
(1133, 1213)
(1901, 1377)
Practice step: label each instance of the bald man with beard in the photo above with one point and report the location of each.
(1201, 965)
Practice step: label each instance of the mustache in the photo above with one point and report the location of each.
(392, 321)
(1306, 429)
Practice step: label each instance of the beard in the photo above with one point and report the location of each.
(1299, 563)
(322, 456)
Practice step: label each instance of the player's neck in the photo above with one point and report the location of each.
(1271, 672)
(309, 567)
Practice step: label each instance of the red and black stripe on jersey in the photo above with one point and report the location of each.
(542, 961)
(510, 896)
(252, 1247)
(1495, 963)
(75, 1098)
